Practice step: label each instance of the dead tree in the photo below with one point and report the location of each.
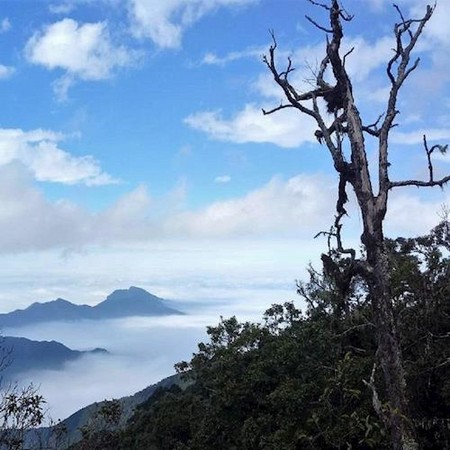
(348, 132)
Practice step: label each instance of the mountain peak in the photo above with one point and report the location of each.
(58, 301)
(133, 293)
(133, 301)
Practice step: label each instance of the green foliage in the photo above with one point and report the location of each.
(297, 380)
(422, 267)
(100, 432)
(20, 410)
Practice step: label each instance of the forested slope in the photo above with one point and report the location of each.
(310, 380)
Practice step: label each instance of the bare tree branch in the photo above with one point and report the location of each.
(322, 5)
(277, 108)
(402, 55)
(320, 27)
(419, 183)
(281, 78)
(431, 181)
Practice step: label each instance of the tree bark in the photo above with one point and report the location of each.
(373, 208)
(396, 414)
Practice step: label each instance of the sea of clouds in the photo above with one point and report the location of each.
(142, 350)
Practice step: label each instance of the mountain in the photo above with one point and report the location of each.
(121, 303)
(24, 354)
(86, 415)
(132, 302)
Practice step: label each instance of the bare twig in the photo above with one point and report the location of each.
(377, 406)
(431, 181)
(348, 53)
(320, 27)
(403, 19)
(373, 129)
(322, 5)
(277, 108)
(418, 183)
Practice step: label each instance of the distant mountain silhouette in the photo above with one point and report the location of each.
(121, 303)
(132, 302)
(23, 354)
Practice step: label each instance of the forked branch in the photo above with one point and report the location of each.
(431, 181)
(402, 57)
(407, 33)
(298, 100)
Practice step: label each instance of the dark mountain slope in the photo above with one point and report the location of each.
(24, 355)
(88, 416)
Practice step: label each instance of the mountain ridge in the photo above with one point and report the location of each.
(121, 303)
(22, 355)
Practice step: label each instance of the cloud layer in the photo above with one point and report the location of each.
(297, 206)
(294, 206)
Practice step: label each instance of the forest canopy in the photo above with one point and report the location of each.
(306, 379)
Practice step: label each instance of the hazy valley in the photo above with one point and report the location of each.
(141, 337)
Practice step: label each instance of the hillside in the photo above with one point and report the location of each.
(88, 416)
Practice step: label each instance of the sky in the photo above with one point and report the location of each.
(133, 150)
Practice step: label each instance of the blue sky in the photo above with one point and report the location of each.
(133, 150)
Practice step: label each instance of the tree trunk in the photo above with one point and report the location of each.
(389, 352)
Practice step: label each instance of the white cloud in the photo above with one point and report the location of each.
(164, 22)
(38, 151)
(300, 205)
(360, 64)
(63, 7)
(377, 5)
(6, 71)
(288, 128)
(433, 72)
(439, 135)
(28, 221)
(306, 61)
(367, 56)
(5, 25)
(380, 5)
(82, 51)
(83, 382)
(409, 215)
(298, 208)
(437, 28)
(379, 95)
(128, 219)
(222, 179)
(285, 128)
(212, 59)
